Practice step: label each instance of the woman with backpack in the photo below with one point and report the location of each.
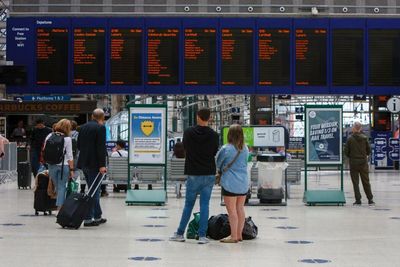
(58, 154)
(232, 165)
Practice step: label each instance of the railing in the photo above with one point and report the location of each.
(8, 164)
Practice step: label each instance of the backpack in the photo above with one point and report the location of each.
(54, 149)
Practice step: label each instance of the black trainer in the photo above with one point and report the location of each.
(92, 223)
(357, 203)
(371, 202)
(101, 221)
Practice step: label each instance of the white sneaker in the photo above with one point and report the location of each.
(177, 238)
(203, 240)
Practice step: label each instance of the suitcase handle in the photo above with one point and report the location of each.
(95, 184)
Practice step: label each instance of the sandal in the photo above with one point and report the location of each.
(228, 240)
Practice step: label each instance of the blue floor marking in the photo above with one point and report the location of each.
(144, 258)
(318, 261)
(154, 225)
(301, 242)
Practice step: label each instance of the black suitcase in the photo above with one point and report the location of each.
(43, 202)
(270, 195)
(24, 175)
(77, 206)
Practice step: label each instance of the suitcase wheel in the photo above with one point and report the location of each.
(36, 213)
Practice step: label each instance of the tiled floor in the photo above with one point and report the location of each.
(345, 236)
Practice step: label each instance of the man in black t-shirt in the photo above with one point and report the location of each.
(201, 145)
(39, 134)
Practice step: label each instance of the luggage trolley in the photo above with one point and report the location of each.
(267, 171)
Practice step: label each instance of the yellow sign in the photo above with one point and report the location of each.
(147, 127)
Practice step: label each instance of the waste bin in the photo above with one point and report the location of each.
(270, 186)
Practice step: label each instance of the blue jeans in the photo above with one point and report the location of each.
(95, 211)
(59, 182)
(35, 156)
(202, 185)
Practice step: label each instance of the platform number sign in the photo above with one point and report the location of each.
(393, 105)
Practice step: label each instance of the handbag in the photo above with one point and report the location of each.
(219, 173)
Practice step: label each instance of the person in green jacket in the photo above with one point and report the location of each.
(357, 150)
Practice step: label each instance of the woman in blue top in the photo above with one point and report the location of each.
(234, 180)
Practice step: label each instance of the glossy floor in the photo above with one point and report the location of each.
(343, 236)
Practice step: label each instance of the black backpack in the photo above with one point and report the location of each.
(54, 149)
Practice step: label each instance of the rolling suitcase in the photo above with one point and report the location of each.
(43, 202)
(24, 175)
(77, 205)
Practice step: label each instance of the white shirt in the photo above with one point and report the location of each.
(67, 148)
(124, 154)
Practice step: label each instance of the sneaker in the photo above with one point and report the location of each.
(101, 221)
(371, 202)
(203, 240)
(177, 238)
(92, 223)
(357, 203)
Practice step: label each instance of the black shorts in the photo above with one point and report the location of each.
(230, 194)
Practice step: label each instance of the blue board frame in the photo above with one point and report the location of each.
(90, 23)
(124, 23)
(277, 23)
(54, 23)
(201, 23)
(163, 23)
(354, 24)
(237, 23)
(388, 23)
(21, 50)
(311, 24)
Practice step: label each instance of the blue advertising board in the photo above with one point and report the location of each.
(323, 135)
(303, 55)
(385, 149)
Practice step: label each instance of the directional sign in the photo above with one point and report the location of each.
(393, 105)
(43, 98)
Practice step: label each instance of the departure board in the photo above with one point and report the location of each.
(163, 56)
(51, 56)
(311, 54)
(126, 57)
(347, 57)
(384, 57)
(237, 57)
(274, 57)
(200, 57)
(89, 56)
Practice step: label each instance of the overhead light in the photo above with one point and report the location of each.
(314, 10)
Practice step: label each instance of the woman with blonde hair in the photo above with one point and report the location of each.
(61, 172)
(232, 163)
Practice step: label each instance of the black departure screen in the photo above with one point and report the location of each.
(237, 57)
(126, 57)
(200, 56)
(274, 57)
(311, 54)
(163, 57)
(51, 56)
(89, 56)
(348, 57)
(384, 57)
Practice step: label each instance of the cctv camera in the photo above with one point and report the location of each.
(186, 8)
(250, 9)
(345, 10)
(314, 11)
(282, 9)
(376, 10)
(218, 9)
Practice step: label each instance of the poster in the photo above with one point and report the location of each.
(324, 135)
(264, 136)
(147, 135)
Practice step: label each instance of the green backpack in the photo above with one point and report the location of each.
(193, 227)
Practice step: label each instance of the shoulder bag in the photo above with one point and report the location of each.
(220, 172)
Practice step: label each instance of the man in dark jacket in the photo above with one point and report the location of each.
(201, 145)
(92, 159)
(39, 134)
(357, 150)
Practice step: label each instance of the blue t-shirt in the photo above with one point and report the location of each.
(235, 179)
